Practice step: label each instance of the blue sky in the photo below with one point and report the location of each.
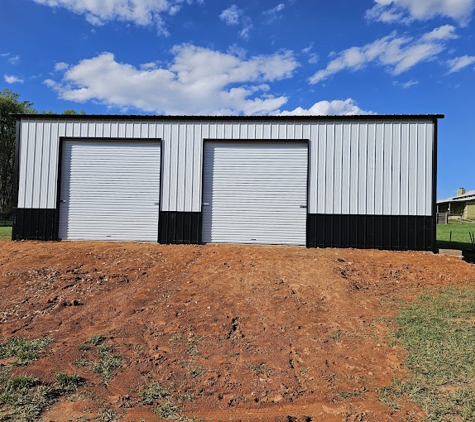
(251, 57)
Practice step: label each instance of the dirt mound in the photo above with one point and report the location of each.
(216, 332)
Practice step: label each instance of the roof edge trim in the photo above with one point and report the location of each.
(109, 117)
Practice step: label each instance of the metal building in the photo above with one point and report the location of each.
(317, 181)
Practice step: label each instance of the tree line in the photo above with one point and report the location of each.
(10, 104)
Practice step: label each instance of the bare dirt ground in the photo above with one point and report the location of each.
(234, 333)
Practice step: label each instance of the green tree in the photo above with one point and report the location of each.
(69, 111)
(74, 112)
(9, 104)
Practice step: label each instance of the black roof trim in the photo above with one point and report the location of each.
(110, 117)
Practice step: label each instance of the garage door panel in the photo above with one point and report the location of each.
(255, 192)
(110, 190)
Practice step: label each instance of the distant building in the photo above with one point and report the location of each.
(462, 204)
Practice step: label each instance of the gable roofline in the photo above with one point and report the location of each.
(467, 196)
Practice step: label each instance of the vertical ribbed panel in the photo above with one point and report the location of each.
(255, 192)
(371, 231)
(110, 190)
(372, 168)
(356, 167)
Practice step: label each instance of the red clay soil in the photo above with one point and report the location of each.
(234, 333)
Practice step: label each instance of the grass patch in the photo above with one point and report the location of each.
(260, 368)
(167, 411)
(197, 371)
(439, 337)
(24, 397)
(5, 233)
(25, 351)
(166, 407)
(69, 382)
(107, 365)
(460, 235)
(106, 414)
(153, 393)
(96, 339)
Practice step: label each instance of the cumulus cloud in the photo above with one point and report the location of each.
(460, 62)
(199, 81)
(140, 12)
(406, 11)
(397, 54)
(234, 16)
(12, 79)
(58, 67)
(148, 66)
(346, 107)
(446, 32)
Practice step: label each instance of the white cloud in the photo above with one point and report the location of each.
(58, 67)
(234, 16)
(148, 66)
(140, 12)
(406, 11)
(245, 32)
(198, 81)
(273, 14)
(407, 84)
(460, 62)
(11, 59)
(231, 15)
(397, 54)
(312, 57)
(12, 79)
(446, 32)
(346, 107)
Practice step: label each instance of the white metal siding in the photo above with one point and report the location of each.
(110, 190)
(255, 192)
(356, 167)
(372, 168)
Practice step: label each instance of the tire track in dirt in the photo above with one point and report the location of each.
(244, 332)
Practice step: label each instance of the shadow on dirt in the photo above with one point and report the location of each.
(468, 253)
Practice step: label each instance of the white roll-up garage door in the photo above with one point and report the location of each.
(255, 192)
(110, 190)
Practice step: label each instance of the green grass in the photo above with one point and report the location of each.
(153, 393)
(107, 365)
(25, 351)
(5, 233)
(69, 382)
(439, 337)
(167, 411)
(260, 368)
(460, 235)
(24, 397)
(108, 362)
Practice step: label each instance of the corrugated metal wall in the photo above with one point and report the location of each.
(255, 192)
(372, 169)
(356, 167)
(110, 190)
